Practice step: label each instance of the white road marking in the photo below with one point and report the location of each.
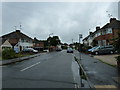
(2, 66)
(29, 66)
(75, 86)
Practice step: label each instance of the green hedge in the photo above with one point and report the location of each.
(8, 54)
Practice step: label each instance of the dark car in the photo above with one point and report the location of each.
(103, 50)
(69, 50)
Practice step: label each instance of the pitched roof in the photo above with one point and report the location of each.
(13, 41)
(14, 37)
(16, 34)
(115, 24)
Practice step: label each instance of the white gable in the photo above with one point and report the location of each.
(6, 44)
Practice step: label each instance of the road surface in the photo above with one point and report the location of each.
(49, 70)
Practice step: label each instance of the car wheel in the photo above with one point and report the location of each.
(96, 53)
(111, 52)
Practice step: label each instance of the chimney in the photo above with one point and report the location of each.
(97, 28)
(112, 20)
(18, 31)
(90, 33)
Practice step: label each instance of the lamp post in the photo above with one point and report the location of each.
(80, 36)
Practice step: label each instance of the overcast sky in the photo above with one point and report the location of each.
(65, 19)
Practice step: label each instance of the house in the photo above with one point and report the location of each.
(4, 45)
(108, 33)
(89, 39)
(105, 35)
(18, 40)
(38, 44)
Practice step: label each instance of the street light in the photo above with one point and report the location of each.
(80, 36)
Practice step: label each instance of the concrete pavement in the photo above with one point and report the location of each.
(98, 72)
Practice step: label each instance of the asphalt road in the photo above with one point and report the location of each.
(49, 70)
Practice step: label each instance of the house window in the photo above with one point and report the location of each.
(109, 30)
(22, 40)
(99, 43)
(104, 42)
(103, 32)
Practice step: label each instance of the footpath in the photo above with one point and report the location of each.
(100, 75)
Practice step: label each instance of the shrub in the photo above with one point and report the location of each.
(8, 54)
(118, 58)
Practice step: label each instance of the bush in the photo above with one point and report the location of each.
(85, 48)
(8, 54)
(118, 58)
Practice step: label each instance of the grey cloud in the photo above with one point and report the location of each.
(64, 19)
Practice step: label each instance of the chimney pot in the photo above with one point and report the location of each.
(97, 28)
(90, 33)
(17, 30)
(112, 19)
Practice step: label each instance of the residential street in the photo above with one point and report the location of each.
(49, 70)
(98, 72)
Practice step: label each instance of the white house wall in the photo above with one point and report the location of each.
(26, 44)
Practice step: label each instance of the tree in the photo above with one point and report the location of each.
(117, 43)
(54, 41)
(117, 47)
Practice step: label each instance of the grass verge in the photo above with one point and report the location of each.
(107, 63)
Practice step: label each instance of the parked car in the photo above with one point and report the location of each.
(30, 50)
(58, 49)
(103, 50)
(69, 50)
(89, 50)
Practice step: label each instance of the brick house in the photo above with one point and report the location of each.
(105, 35)
(18, 40)
(88, 40)
(38, 44)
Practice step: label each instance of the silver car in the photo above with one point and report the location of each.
(69, 50)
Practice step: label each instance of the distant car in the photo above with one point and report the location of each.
(69, 50)
(58, 49)
(46, 50)
(103, 50)
(30, 50)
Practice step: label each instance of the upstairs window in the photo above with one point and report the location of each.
(109, 30)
